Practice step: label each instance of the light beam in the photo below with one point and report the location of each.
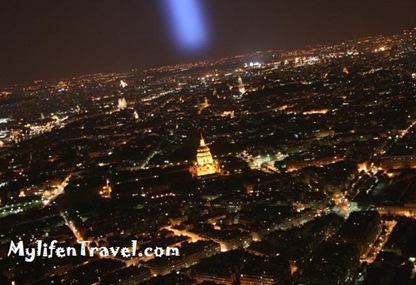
(188, 23)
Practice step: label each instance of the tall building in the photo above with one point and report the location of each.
(205, 164)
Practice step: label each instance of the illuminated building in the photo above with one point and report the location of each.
(122, 103)
(123, 84)
(345, 70)
(228, 114)
(259, 279)
(233, 242)
(402, 155)
(62, 86)
(203, 105)
(190, 254)
(136, 115)
(398, 161)
(205, 164)
(238, 89)
(22, 193)
(193, 252)
(241, 86)
(106, 191)
(406, 210)
(214, 277)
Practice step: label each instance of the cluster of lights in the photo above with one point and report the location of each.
(163, 196)
(380, 49)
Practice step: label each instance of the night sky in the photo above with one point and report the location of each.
(52, 39)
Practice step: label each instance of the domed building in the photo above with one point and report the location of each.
(205, 164)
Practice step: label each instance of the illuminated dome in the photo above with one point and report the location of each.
(205, 164)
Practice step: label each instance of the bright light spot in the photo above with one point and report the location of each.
(123, 84)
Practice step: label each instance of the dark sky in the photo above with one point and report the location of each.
(49, 39)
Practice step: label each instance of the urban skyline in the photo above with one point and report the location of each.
(58, 39)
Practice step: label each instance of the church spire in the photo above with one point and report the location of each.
(202, 141)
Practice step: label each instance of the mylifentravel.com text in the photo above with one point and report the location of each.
(52, 249)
